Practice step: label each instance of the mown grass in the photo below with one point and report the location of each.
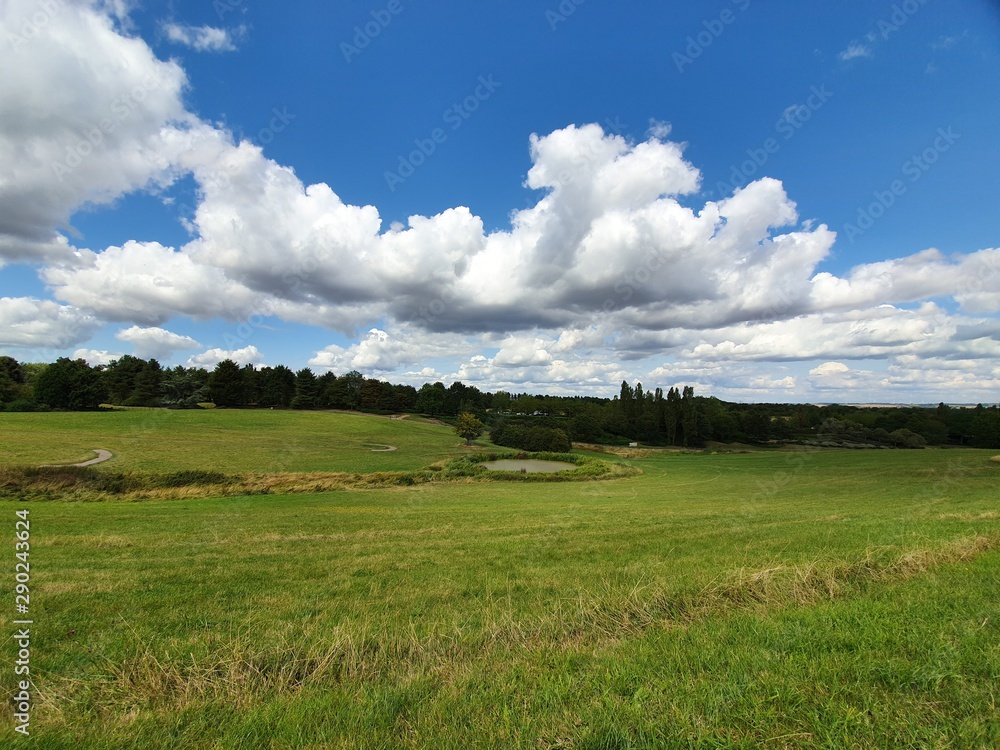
(227, 441)
(799, 599)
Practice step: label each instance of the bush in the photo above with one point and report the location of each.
(22, 404)
(190, 477)
(530, 438)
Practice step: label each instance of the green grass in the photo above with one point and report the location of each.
(827, 599)
(225, 440)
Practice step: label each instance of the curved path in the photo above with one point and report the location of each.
(386, 449)
(102, 455)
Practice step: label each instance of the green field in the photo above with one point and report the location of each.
(225, 440)
(768, 599)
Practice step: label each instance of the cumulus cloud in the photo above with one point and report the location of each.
(155, 343)
(26, 322)
(973, 280)
(145, 282)
(248, 355)
(204, 38)
(382, 352)
(618, 261)
(87, 115)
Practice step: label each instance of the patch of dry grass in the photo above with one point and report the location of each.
(68, 483)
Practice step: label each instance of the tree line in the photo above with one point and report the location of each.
(130, 381)
(656, 417)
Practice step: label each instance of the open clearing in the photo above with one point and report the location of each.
(771, 599)
(226, 440)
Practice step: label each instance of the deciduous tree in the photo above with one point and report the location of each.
(468, 427)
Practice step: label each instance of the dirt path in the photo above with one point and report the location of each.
(384, 449)
(102, 455)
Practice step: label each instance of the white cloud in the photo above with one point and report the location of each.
(248, 355)
(145, 282)
(618, 261)
(87, 118)
(155, 343)
(380, 352)
(829, 369)
(854, 50)
(26, 322)
(204, 38)
(973, 280)
(520, 352)
(659, 130)
(94, 357)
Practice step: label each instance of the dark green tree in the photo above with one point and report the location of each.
(147, 388)
(689, 416)
(70, 384)
(306, 390)
(431, 399)
(253, 385)
(278, 387)
(672, 415)
(501, 402)
(626, 400)
(12, 385)
(352, 383)
(370, 395)
(120, 376)
(184, 387)
(225, 384)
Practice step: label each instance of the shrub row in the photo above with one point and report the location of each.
(530, 438)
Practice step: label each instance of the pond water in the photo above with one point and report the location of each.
(530, 465)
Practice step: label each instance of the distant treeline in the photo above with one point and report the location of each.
(675, 417)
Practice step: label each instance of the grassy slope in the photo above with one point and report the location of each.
(226, 441)
(615, 614)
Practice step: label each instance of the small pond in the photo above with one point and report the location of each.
(530, 465)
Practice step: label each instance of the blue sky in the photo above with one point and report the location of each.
(815, 182)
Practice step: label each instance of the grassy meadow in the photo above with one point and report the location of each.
(765, 599)
(224, 440)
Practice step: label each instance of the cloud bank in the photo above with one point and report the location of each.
(619, 268)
